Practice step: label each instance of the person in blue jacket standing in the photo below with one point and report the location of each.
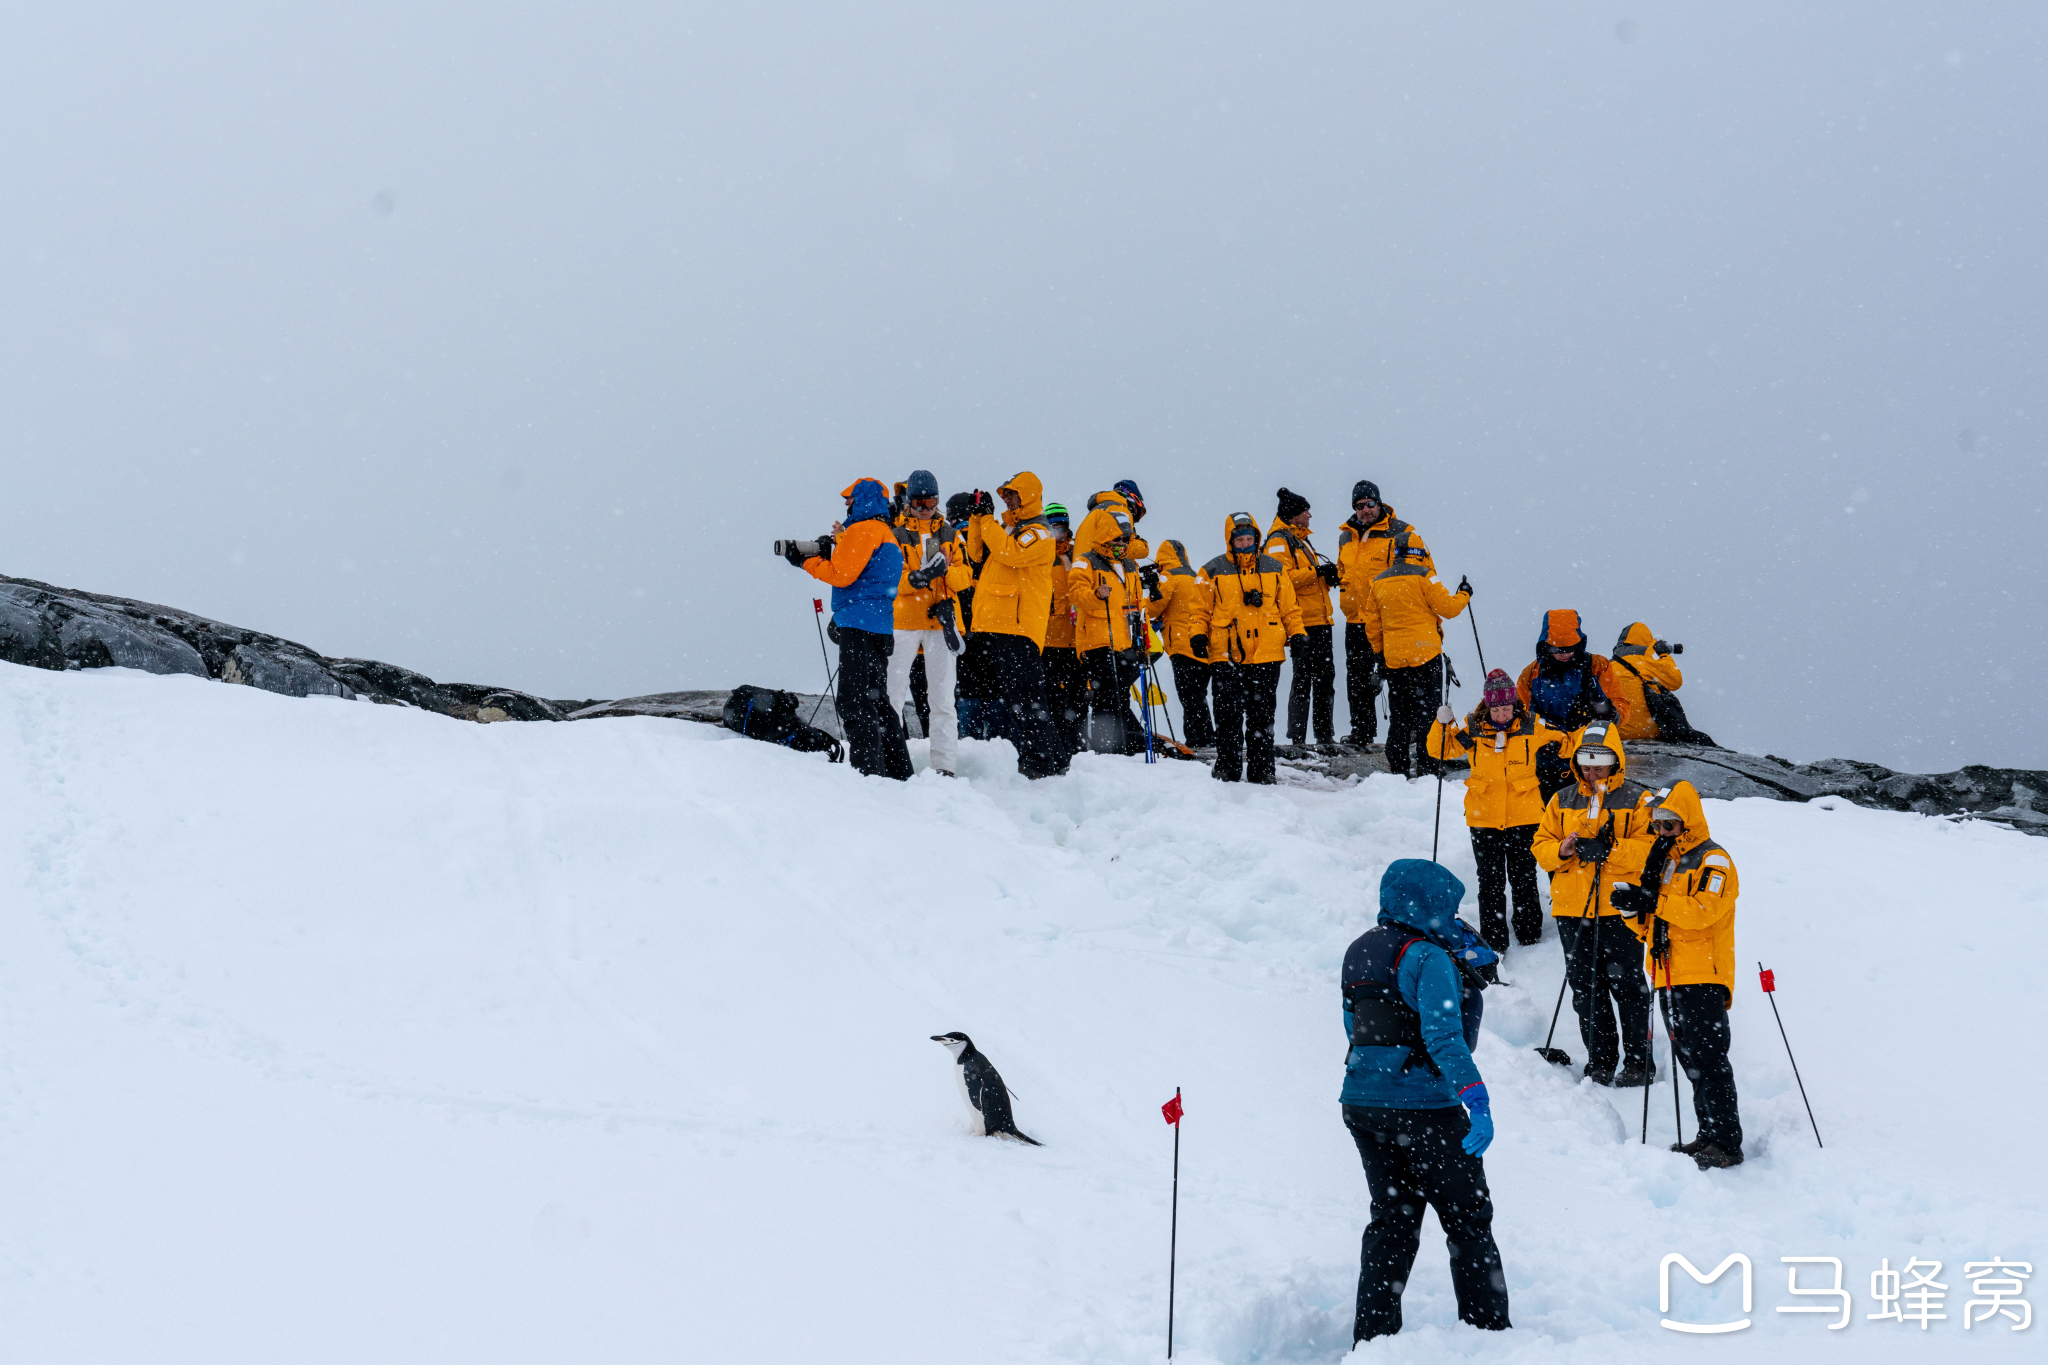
(1413, 1098)
(864, 565)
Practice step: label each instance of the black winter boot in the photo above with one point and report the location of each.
(1708, 1157)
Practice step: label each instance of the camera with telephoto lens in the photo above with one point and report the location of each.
(1663, 648)
(1254, 597)
(807, 548)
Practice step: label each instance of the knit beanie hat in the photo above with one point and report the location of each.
(1363, 489)
(1056, 512)
(1500, 689)
(1292, 505)
(959, 507)
(922, 484)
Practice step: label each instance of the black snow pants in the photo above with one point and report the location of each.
(1361, 682)
(1191, 685)
(1413, 1158)
(1313, 688)
(1020, 677)
(1604, 960)
(1127, 667)
(1699, 1016)
(921, 694)
(1066, 693)
(1504, 860)
(874, 733)
(1108, 712)
(1413, 694)
(1246, 697)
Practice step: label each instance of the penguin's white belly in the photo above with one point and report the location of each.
(960, 1079)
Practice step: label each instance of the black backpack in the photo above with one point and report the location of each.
(765, 714)
(1669, 713)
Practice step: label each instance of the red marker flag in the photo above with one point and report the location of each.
(818, 605)
(1769, 979)
(1172, 1110)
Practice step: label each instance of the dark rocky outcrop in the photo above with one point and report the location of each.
(60, 628)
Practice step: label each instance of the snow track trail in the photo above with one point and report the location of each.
(337, 1032)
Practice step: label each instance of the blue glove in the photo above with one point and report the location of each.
(1473, 1097)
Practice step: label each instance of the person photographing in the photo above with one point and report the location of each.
(863, 564)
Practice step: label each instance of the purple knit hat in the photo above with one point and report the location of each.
(1500, 689)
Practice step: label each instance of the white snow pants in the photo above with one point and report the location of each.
(941, 670)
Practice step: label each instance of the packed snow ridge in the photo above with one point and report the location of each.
(64, 628)
(339, 1033)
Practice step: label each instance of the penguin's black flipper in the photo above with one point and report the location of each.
(1011, 1130)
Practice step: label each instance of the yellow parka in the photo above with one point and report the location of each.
(1406, 606)
(1695, 903)
(1185, 599)
(1635, 662)
(1014, 594)
(1238, 632)
(1101, 623)
(919, 538)
(1501, 790)
(1363, 554)
(1059, 627)
(1291, 546)
(1579, 809)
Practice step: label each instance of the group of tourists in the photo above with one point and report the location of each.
(1035, 625)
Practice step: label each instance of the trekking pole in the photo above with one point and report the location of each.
(1664, 1004)
(1770, 984)
(1558, 1056)
(1650, 1047)
(1474, 622)
(1436, 832)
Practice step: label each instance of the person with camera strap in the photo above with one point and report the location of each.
(1253, 621)
(1012, 607)
(1405, 607)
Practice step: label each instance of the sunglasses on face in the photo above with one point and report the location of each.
(1363, 506)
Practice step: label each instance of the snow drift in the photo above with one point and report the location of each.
(336, 1032)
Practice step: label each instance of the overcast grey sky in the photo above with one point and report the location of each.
(498, 341)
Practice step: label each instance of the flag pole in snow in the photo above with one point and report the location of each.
(1172, 1111)
(1770, 984)
(818, 620)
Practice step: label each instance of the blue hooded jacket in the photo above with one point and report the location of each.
(869, 603)
(1422, 896)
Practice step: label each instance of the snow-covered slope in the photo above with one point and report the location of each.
(335, 1032)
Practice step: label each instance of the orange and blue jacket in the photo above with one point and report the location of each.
(1014, 593)
(1291, 546)
(1501, 790)
(1406, 605)
(1563, 695)
(1636, 662)
(1584, 809)
(866, 566)
(1695, 904)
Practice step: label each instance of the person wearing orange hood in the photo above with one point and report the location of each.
(1683, 911)
(1404, 610)
(1013, 606)
(863, 563)
(1566, 686)
(1104, 592)
(1594, 835)
(1066, 689)
(1312, 691)
(1252, 623)
(1179, 599)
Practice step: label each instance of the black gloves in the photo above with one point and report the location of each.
(1199, 644)
(922, 578)
(832, 630)
(1465, 586)
(984, 504)
(793, 555)
(1634, 901)
(1328, 573)
(1296, 643)
(1596, 849)
(824, 547)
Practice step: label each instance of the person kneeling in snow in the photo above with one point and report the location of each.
(1684, 912)
(1413, 1098)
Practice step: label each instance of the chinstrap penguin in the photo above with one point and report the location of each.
(982, 1088)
